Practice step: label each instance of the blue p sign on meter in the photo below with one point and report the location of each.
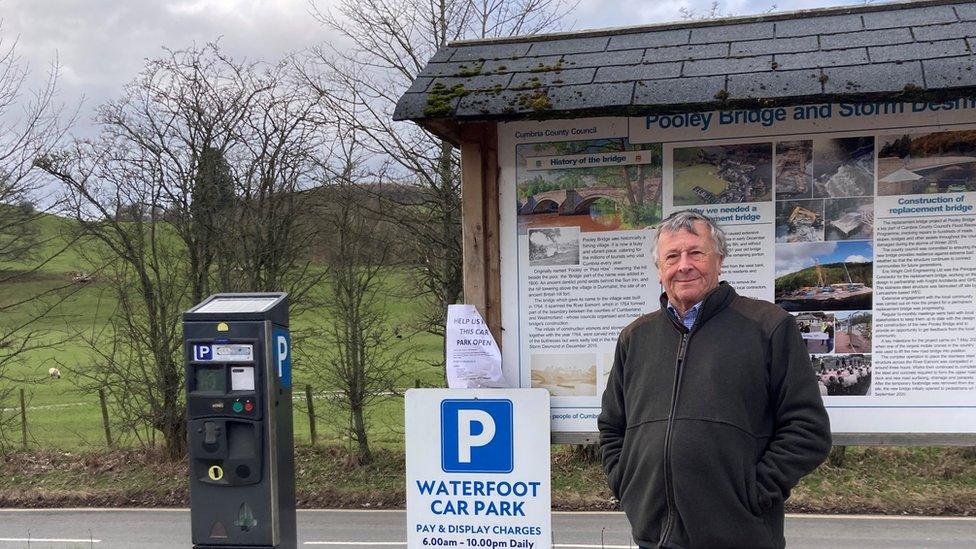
(281, 345)
(482, 479)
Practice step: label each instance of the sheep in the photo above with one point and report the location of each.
(54, 373)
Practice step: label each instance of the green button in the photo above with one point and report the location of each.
(238, 406)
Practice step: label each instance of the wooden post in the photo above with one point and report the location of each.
(105, 424)
(311, 413)
(480, 221)
(23, 416)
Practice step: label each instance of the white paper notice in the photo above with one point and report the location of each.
(473, 357)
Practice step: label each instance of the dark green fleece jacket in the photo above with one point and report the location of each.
(704, 432)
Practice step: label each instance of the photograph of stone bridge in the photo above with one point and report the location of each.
(613, 197)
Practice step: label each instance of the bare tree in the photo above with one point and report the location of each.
(31, 123)
(358, 355)
(202, 157)
(392, 40)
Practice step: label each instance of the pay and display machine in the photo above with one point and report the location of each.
(239, 422)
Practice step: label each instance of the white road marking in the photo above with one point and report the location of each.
(48, 540)
(355, 543)
(398, 543)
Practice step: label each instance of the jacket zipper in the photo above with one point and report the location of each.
(668, 481)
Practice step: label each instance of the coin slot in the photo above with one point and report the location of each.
(216, 472)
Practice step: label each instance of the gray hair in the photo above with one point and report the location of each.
(685, 220)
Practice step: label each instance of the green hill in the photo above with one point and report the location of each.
(834, 273)
(62, 416)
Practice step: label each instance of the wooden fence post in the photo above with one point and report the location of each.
(108, 430)
(311, 413)
(23, 416)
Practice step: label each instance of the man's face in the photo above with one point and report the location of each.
(688, 265)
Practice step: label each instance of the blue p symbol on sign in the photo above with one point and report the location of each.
(203, 352)
(281, 342)
(477, 436)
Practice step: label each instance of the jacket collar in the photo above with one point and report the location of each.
(716, 300)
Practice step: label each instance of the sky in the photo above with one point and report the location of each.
(102, 44)
(795, 257)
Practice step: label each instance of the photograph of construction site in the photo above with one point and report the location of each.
(843, 167)
(849, 218)
(825, 276)
(939, 162)
(800, 220)
(565, 375)
(843, 375)
(817, 330)
(596, 185)
(853, 331)
(794, 169)
(723, 174)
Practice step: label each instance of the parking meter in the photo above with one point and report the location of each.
(239, 422)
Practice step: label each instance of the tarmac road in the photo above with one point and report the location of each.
(168, 529)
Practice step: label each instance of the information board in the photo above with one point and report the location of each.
(478, 468)
(857, 218)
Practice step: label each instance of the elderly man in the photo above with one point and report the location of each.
(712, 411)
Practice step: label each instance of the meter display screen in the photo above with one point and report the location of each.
(211, 380)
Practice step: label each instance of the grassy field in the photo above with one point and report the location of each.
(893, 481)
(63, 417)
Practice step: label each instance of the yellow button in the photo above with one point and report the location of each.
(215, 472)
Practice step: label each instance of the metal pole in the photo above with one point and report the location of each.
(108, 430)
(23, 416)
(311, 413)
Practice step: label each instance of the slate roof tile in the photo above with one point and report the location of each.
(591, 95)
(918, 50)
(781, 45)
(450, 69)
(966, 12)
(866, 38)
(877, 77)
(508, 102)
(901, 18)
(603, 59)
(726, 33)
(942, 32)
(411, 106)
(563, 77)
(676, 37)
(727, 66)
(638, 72)
(490, 51)
(679, 91)
(853, 56)
(442, 55)
(523, 64)
(420, 84)
(819, 25)
(951, 72)
(679, 53)
(571, 45)
(487, 82)
(778, 83)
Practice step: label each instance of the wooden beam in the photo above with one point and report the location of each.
(480, 218)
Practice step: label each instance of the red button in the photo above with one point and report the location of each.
(248, 406)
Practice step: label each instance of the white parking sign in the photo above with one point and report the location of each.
(478, 468)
